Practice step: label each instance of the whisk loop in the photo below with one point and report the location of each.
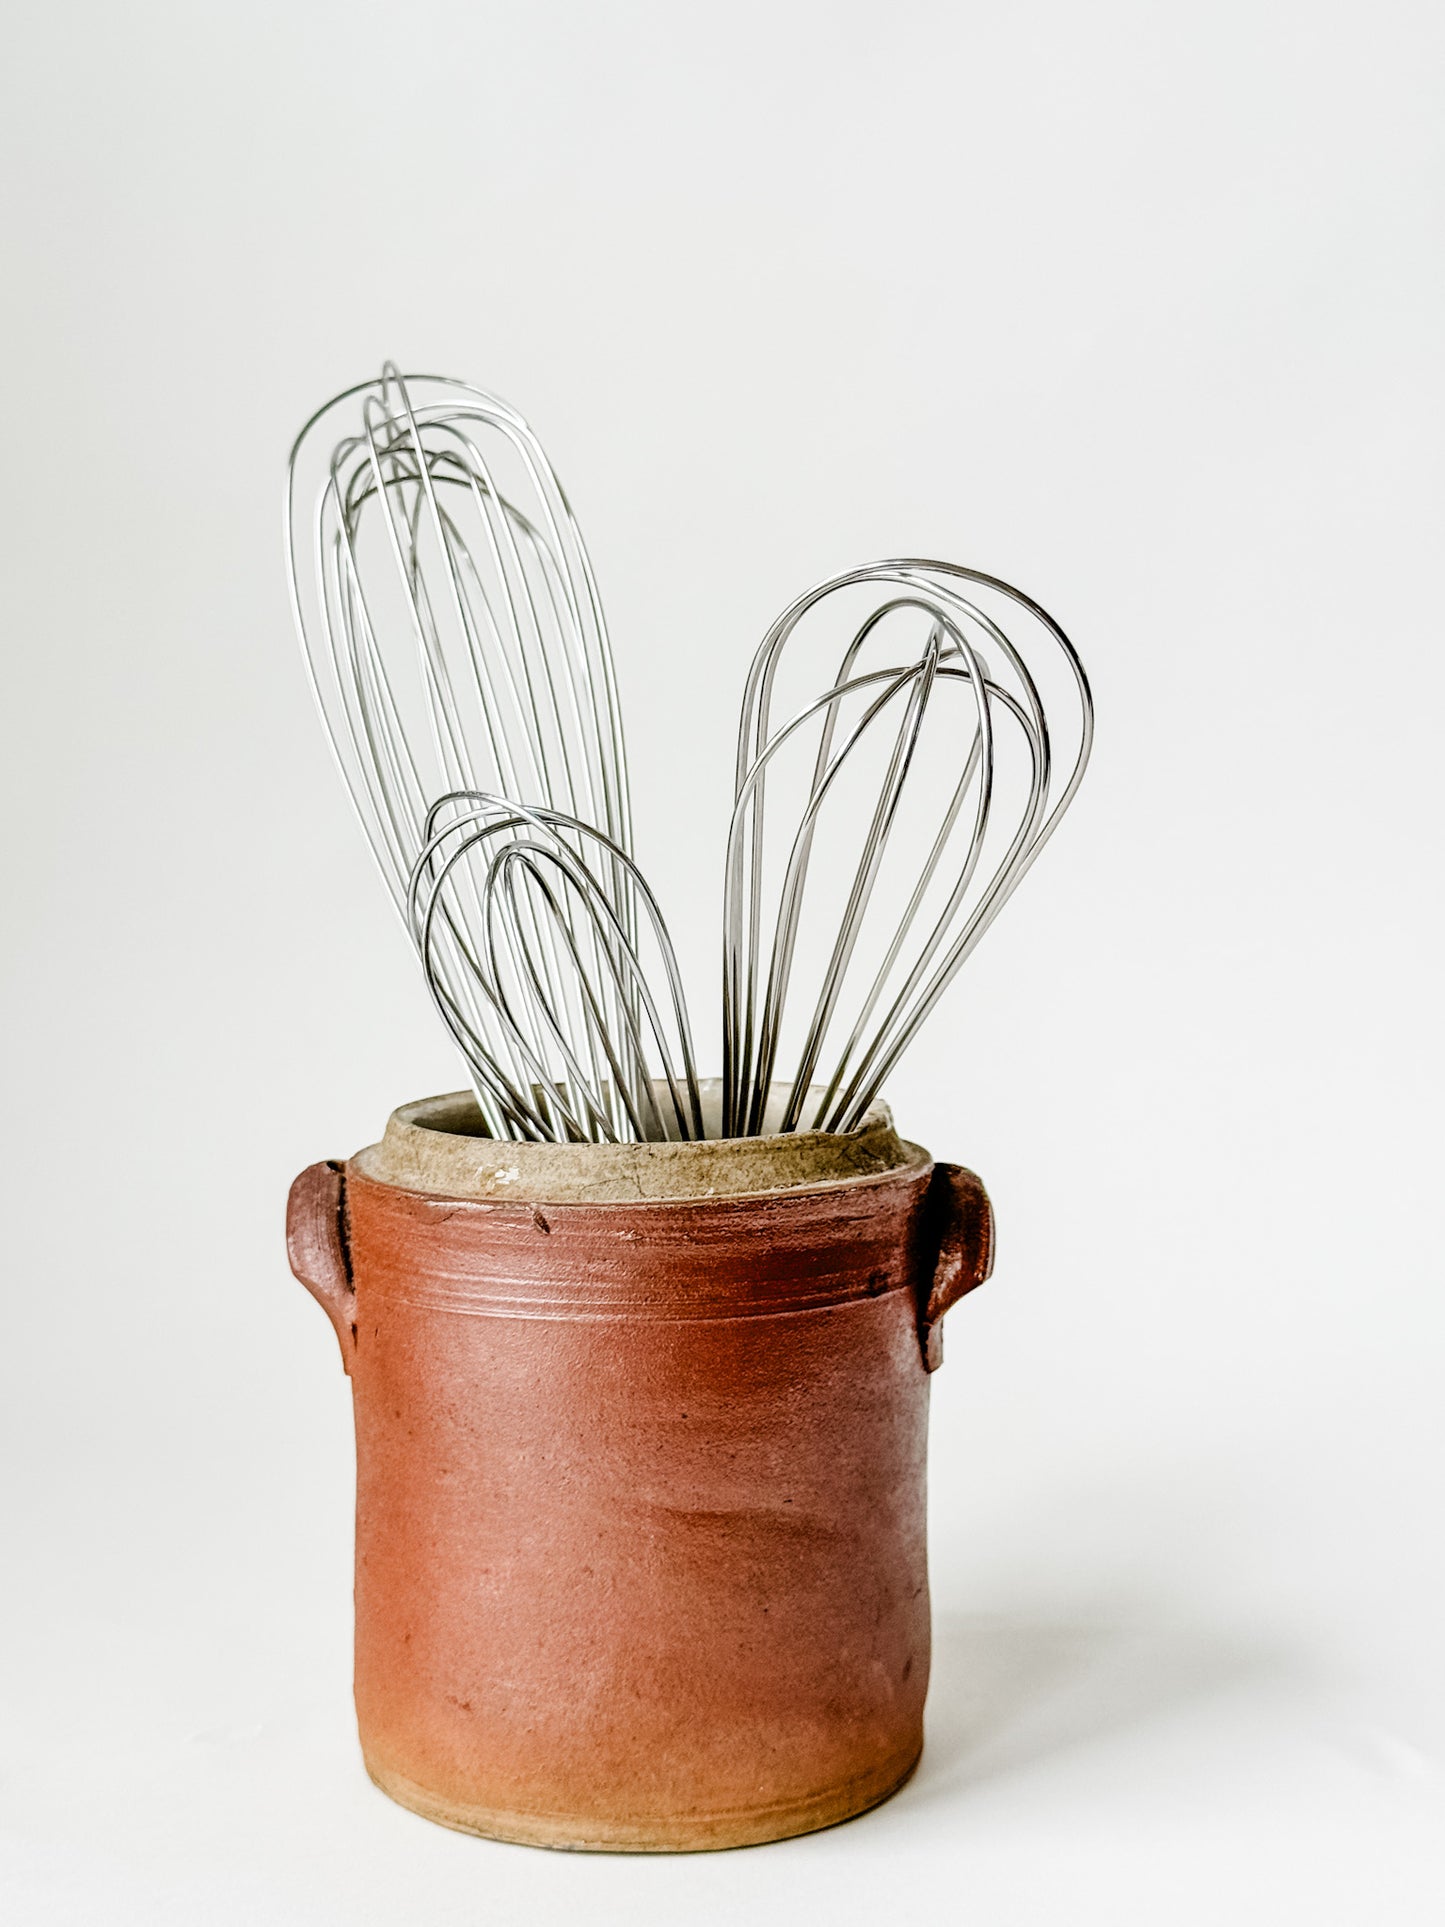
(544, 985)
(864, 1010)
(454, 640)
(448, 613)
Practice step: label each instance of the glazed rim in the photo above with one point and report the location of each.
(438, 1145)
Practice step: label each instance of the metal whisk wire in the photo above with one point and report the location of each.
(454, 640)
(760, 957)
(452, 631)
(581, 1051)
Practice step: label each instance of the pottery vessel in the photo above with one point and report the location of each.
(641, 1436)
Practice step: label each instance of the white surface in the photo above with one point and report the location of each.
(1137, 306)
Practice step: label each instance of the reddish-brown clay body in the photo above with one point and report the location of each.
(640, 1556)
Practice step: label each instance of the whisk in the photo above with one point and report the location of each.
(978, 794)
(565, 1038)
(454, 640)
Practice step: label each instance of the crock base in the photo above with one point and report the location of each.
(689, 1833)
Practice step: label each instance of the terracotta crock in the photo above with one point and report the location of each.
(640, 1437)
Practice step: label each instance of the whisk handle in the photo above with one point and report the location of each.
(962, 1219)
(316, 1246)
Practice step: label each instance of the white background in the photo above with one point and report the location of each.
(1136, 305)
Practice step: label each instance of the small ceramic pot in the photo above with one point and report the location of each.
(641, 1435)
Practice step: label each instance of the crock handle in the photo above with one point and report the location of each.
(316, 1247)
(963, 1227)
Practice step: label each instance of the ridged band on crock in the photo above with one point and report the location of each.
(743, 1257)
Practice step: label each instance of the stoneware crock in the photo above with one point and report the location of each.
(640, 1440)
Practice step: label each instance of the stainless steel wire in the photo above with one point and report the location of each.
(588, 1051)
(979, 806)
(454, 640)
